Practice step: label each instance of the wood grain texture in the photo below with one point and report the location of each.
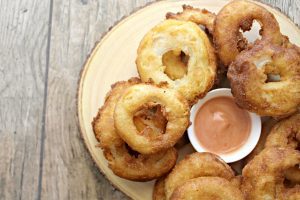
(23, 55)
(289, 7)
(67, 169)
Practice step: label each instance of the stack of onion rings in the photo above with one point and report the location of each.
(190, 39)
(122, 161)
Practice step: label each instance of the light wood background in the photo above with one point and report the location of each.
(43, 45)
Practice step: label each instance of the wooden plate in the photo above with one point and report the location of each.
(113, 59)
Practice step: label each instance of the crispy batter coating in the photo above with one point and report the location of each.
(121, 159)
(207, 188)
(175, 109)
(264, 175)
(252, 89)
(236, 15)
(285, 133)
(196, 15)
(189, 38)
(196, 165)
(159, 189)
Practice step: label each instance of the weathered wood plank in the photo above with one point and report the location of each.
(289, 7)
(68, 171)
(23, 44)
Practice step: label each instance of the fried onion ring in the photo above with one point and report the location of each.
(265, 173)
(208, 188)
(236, 15)
(248, 76)
(196, 15)
(196, 165)
(135, 167)
(190, 39)
(175, 108)
(285, 133)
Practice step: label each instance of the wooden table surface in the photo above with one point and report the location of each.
(43, 46)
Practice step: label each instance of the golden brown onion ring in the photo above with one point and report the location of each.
(248, 76)
(196, 165)
(208, 188)
(190, 39)
(265, 173)
(196, 15)
(236, 15)
(122, 162)
(175, 109)
(285, 133)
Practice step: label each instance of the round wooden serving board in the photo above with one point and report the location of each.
(113, 59)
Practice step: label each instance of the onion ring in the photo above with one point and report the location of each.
(248, 76)
(196, 15)
(264, 174)
(189, 38)
(285, 133)
(196, 165)
(238, 15)
(120, 160)
(175, 108)
(208, 187)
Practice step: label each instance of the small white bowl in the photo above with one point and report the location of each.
(243, 150)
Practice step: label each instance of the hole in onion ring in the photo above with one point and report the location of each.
(175, 62)
(288, 184)
(249, 33)
(131, 151)
(150, 120)
(291, 177)
(273, 78)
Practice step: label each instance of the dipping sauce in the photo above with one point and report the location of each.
(221, 126)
